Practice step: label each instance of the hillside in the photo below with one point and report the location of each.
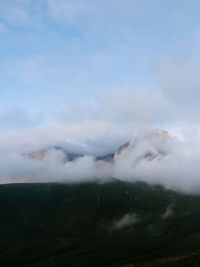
(113, 224)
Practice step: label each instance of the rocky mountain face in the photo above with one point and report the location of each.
(151, 144)
(42, 154)
(145, 146)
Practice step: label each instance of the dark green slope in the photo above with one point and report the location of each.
(75, 225)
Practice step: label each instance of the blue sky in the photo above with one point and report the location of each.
(101, 68)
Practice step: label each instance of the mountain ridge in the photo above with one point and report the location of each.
(70, 156)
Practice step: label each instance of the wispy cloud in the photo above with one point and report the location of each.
(127, 220)
(15, 11)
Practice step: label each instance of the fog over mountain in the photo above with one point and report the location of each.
(155, 157)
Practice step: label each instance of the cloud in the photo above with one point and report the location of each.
(98, 127)
(168, 213)
(126, 220)
(50, 169)
(168, 162)
(179, 83)
(28, 69)
(95, 137)
(15, 11)
(16, 118)
(152, 157)
(67, 10)
(132, 104)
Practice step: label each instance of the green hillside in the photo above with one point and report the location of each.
(113, 224)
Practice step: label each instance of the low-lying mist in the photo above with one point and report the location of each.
(153, 157)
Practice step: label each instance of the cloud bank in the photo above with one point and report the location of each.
(153, 157)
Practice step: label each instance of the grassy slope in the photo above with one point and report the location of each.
(71, 225)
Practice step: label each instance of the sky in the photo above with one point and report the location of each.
(93, 73)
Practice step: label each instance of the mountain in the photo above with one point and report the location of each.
(88, 224)
(158, 134)
(121, 148)
(41, 154)
(148, 145)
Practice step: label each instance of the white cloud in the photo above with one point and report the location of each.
(151, 157)
(176, 168)
(128, 219)
(168, 213)
(98, 137)
(16, 118)
(67, 9)
(180, 79)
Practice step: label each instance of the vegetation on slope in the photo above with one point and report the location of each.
(112, 224)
